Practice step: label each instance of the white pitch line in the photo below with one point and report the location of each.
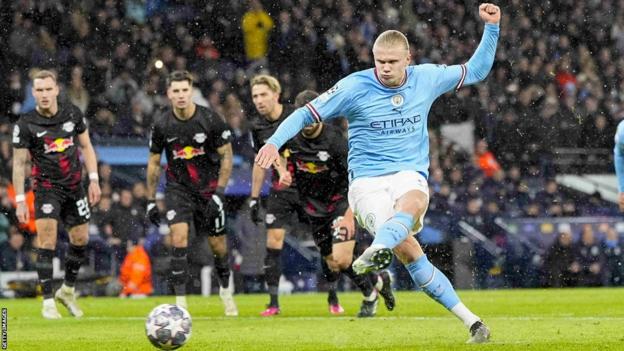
(517, 318)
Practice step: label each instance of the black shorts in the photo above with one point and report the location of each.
(69, 208)
(281, 206)
(323, 233)
(184, 206)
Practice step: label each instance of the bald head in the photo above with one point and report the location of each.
(391, 39)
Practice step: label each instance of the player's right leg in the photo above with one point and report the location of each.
(47, 214)
(46, 243)
(396, 205)
(178, 274)
(180, 209)
(372, 204)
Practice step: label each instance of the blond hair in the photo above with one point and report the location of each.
(267, 80)
(43, 74)
(392, 38)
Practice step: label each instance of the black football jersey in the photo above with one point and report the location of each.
(52, 143)
(191, 148)
(261, 131)
(321, 170)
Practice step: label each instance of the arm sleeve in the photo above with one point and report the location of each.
(157, 142)
(291, 126)
(475, 70)
(221, 133)
(618, 156)
(81, 125)
(332, 103)
(21, 135)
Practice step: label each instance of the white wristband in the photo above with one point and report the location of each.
(20, 198)
(94, 176)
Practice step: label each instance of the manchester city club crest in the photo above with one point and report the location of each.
(369, 222)
(397, 100)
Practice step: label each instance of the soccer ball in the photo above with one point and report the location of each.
(168, 327)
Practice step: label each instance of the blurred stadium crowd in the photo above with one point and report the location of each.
(556, 86)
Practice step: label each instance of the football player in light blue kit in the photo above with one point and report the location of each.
(387, 109)
(618, 159)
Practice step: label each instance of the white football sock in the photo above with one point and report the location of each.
(462, 312)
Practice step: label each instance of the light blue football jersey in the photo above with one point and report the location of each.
(618, 153)
(388, 125)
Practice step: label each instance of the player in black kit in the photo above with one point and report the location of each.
(51, 134)
(196, 142)
(319, 154)
(282, 200)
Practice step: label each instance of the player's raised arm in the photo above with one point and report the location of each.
(479, 64)
(90, 161)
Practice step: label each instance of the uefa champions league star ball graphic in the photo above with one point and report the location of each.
(168, 327)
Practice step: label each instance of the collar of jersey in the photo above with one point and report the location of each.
(387, 86)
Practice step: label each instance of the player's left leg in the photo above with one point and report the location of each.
(77, 254)
(371, 284)
(178, 273)
(280, 206)
(211, 220)
(46, 243)
(218, 245)
(435, 284)
(331, 275)
(75, 212)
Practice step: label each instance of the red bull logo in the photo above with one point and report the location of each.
(188, 152)
(311, 167)
(57, 145)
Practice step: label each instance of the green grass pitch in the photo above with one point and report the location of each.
(572, 319)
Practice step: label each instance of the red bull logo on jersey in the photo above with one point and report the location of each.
(188, 152)
(57, 145)
(311, 167)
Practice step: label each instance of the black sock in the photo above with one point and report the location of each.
(332, 282)
(222, 269)
(373, 277)
(272, 273)
(179, 270)
(361, 281)
(44, 271)
(75, 258)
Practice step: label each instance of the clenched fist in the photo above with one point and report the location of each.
(489, 13)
